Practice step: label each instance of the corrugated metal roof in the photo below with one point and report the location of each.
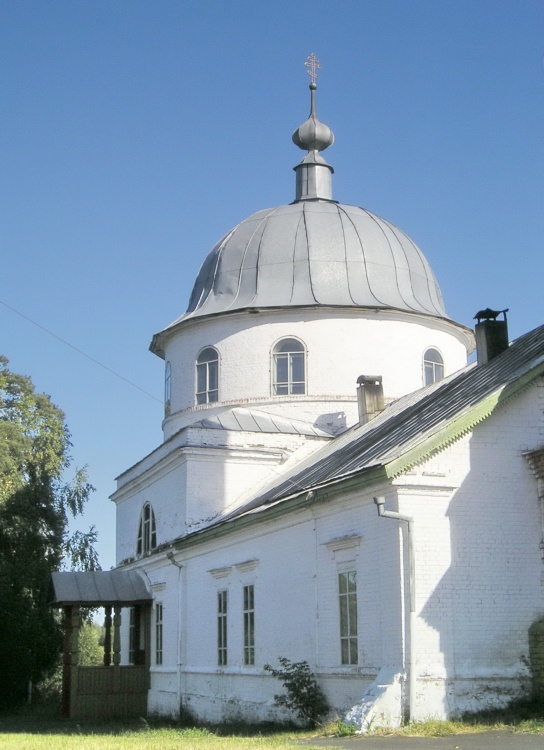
(313, 253)
(99, 587)
(253, 420)
(415, 424)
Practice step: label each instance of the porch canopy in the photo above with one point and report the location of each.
(100, 588)
(111, 690)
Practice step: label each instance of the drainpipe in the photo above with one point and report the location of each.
(179, 566)
(411, 635)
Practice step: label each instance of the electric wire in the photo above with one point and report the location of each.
(79, 351)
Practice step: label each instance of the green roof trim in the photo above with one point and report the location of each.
(464, 423)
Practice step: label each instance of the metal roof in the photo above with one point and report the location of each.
(253, 420)
(99, 587)
(313, 253)
(416, 425)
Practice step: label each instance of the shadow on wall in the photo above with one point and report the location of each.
(484, 604)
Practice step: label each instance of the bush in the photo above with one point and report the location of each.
(303, 694)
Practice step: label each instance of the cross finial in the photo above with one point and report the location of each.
(313, 63)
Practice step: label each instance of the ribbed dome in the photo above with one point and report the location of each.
(315, 253)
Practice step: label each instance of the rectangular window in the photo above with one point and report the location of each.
(347, 590)
(249, 625)
(158, 634)
(131, 635)
(222, 603)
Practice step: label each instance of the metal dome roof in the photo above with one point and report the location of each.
(315, 253)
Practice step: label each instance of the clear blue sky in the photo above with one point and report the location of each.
(134, 134)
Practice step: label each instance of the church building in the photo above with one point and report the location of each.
(335, 485)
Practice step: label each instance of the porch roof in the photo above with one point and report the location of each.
(99, 588)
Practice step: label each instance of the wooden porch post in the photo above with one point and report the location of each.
(107, 636)
(69, 661)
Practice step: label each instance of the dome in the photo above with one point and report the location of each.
(315, 253)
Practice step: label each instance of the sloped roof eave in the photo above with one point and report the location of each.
(460, 426)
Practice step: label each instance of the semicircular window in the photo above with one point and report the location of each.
(207, 376)
(433, 366)
(147, 533)
(288, 367)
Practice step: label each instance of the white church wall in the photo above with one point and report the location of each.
(296, 612)
(477, 531)
(164, 490)
(202, 474)
(478, 566)
(495, 522)
(340, 347)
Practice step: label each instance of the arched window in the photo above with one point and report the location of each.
(433, 366)
(207, 376)
(167, 387)
(147, 534)
(288, 367)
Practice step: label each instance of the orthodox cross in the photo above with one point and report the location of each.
(313, 63)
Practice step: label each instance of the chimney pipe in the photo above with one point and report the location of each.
(491, 334)
(369, 397)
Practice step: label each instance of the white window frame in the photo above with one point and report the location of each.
(167, 387)
(347, 601)
(222, 627)
(287, 385)
(132, 635)
(159, 633)
(433, 369)
(147, 531)
(207, 376)
(249, 624)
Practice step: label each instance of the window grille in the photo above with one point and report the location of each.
(222, 604)
(433, 366)
(158, 634)
(289, 368)
(347, 590)
(249, 625)
(207, 376)
(147, 532)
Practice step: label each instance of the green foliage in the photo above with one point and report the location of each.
(35, 507)
(341, 729)
(303, 695)
(91, 653)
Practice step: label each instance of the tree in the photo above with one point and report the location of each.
(35, 506)
(91, 645)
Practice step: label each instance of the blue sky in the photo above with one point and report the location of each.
(134, 134)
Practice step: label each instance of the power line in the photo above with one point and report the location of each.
(79, 351)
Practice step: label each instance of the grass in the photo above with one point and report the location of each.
(526, 715)
(40, 729)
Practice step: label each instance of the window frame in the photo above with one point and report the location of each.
(433, 369)
(348, 617)
(159, 633)
(249, 624)
(222, 627)
(147, 531)
(131, 635)
(167, 387)
(289, 360)
(207, 375)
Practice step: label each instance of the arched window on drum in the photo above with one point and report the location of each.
(207, 376)
(288, 367)
(433, 366)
